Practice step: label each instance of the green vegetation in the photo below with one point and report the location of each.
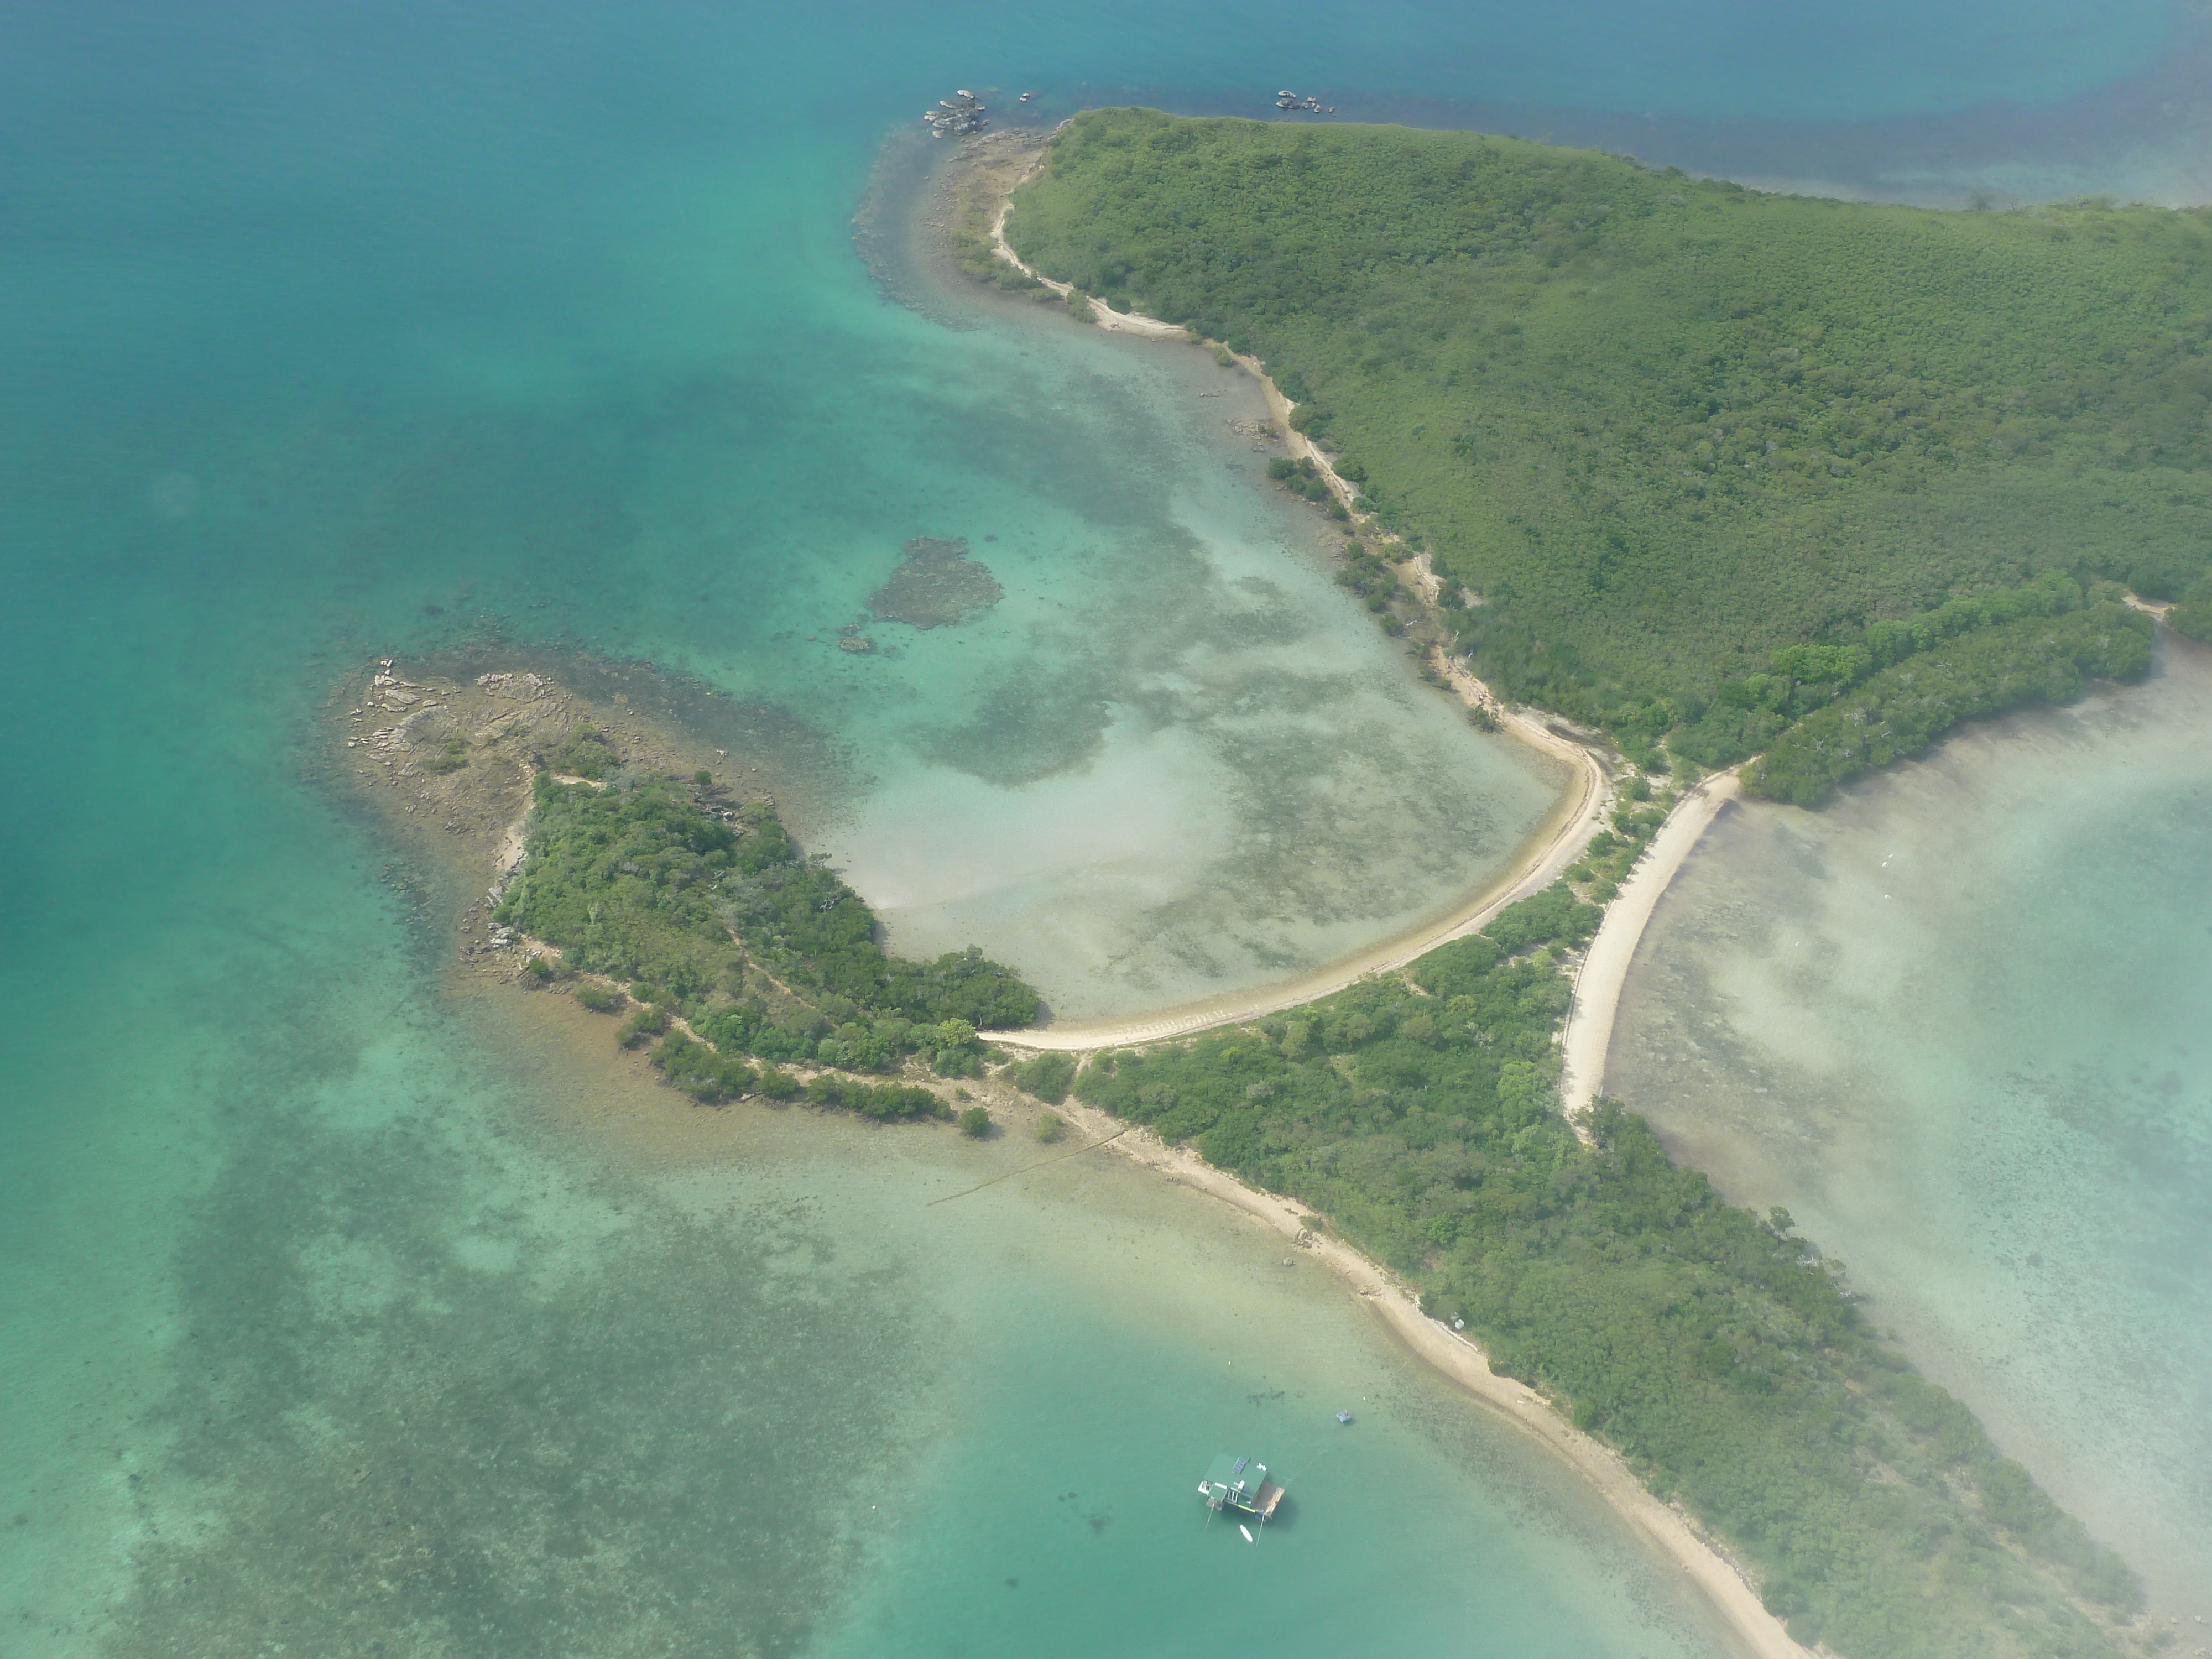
(1903, 710)
(1664, 428)
(450, 758)
(975, 1123)
(598, 999)
(2193, 614)
(715, 918)
(1719, 1352)
(584, 753)
(1048, 1077)
(1050, 1126)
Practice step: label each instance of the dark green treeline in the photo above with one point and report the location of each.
(1662, 427)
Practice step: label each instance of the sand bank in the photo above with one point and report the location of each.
(1588, 1031)
(1553, 845)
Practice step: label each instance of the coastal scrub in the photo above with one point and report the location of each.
(716, 918)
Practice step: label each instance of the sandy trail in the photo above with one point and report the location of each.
(1663, 1527)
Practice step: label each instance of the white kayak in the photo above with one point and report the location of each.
(1247, 1531)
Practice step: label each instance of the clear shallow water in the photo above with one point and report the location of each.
(338, 331)
(1956, 1024)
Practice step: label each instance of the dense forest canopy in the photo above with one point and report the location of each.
(1659, 427)
(711, 914)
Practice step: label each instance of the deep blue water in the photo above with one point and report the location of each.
(348, 328)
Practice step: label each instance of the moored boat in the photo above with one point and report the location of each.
(1238, 1483)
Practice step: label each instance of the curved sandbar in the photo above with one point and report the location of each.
(1536, 863)
(1589, 1032)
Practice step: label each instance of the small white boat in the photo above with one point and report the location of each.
(1247, 1531)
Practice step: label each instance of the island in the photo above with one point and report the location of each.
(1692, 463)
(1723, 491)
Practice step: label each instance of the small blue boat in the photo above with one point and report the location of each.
(1343, 1417)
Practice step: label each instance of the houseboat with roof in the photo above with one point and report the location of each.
(1238, 1483)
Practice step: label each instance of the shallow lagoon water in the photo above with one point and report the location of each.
(1956, 1025)
(390, 327)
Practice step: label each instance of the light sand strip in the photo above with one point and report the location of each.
(1550, 848)
(1604, 967)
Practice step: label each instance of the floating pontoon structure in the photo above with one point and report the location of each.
(1238, 1483)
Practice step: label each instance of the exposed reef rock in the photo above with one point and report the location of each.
(937, 587)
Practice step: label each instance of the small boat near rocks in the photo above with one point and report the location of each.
(957, 116)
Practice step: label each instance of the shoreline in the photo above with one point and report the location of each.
(1724, 1587)
(1663, 1527)
(1587, 1036)
(1557, 840)
(1542, 855)
(477, 823)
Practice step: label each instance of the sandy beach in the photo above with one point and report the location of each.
(1548, 850)
(1588, 1031)
(1665, 1528)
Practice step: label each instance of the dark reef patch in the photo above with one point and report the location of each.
(937, 587)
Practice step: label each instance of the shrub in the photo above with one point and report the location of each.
(598, 999)
(648, 1022)
(1047, 1077)
(2192, 614)
(975, 1123)
(1050, 1127)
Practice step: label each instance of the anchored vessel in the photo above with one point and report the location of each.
(957, 116)
(1238, 1483)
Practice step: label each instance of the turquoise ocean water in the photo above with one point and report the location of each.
(342, 1316)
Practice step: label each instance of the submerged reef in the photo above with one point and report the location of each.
(937, 587)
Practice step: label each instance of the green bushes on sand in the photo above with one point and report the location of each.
(1048, 1077)
(690, 900)
(2192, 614)
(1902, 710)
(1724, 1358)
